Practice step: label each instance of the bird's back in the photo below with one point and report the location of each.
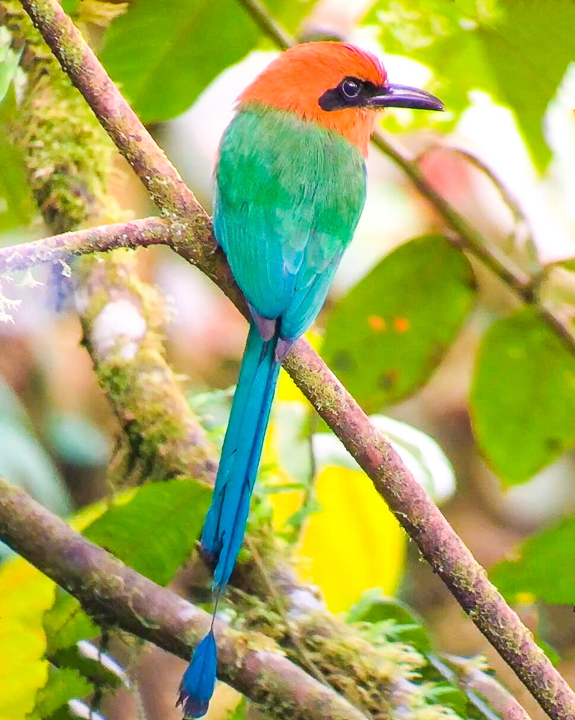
(289, 194)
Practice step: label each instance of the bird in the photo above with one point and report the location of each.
(290, 186)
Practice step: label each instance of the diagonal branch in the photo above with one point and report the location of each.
(438, 542)
(107, 588)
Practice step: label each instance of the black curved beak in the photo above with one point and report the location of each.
(404, 96)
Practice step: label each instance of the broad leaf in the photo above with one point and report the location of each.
(542, 568)
(153, 529)
(354, 526)
(163, 54)
(63, 684)
(9, 62)
(388, 335)
(517, 51)
(66, 623)
(528, 48)
(523, 397)
(155, 532)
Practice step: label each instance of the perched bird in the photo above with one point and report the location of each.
(290, 186)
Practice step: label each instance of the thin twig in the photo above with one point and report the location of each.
(478, 684)
(506, 195)
(267, 23)
(438, 543)
(138, 233)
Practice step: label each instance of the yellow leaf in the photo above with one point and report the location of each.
(353, 543)
(25, 595)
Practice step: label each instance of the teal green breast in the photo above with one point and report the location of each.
(289, 195)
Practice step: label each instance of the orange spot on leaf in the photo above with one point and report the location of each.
(376, 323)
(401, 324)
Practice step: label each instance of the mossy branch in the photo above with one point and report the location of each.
(108, 588)
(69, 160)
(437, 541)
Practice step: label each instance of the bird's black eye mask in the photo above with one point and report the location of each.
(355, 93)
(351, 92)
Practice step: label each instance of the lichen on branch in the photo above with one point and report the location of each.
(69, 159)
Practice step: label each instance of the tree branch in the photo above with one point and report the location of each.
(108, 588)
(477, 683)
(439, 544)
(137, 233)
(69, 158)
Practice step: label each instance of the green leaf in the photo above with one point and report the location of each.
(441, 34)
(16, 206)
(9, 61)
(62, 685)
(542, 567)
(70, 6)
(388, 335)
(523, 397)
(448, 695)
(153, 529)
(529, 47)
(240, 711)
(156, 530)
(399, 621)
(66, 623)
(163, 54)
(516, 50)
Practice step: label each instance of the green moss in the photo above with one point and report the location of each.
(152, 411)
(327, 396)
(67, 154)
(69, 159)
(327, 647)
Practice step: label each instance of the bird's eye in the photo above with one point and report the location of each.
(350, 88)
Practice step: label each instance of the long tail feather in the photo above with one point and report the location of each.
(226, 520)
(227, 517)
(197, 686)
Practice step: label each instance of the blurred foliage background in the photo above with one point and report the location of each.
(421, 333)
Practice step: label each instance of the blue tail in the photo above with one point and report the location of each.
(227, 517)
(226, 520)
(197, 686)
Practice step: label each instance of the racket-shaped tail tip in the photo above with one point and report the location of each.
(197, 686)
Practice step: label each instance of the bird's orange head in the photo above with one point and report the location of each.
(335, 85)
